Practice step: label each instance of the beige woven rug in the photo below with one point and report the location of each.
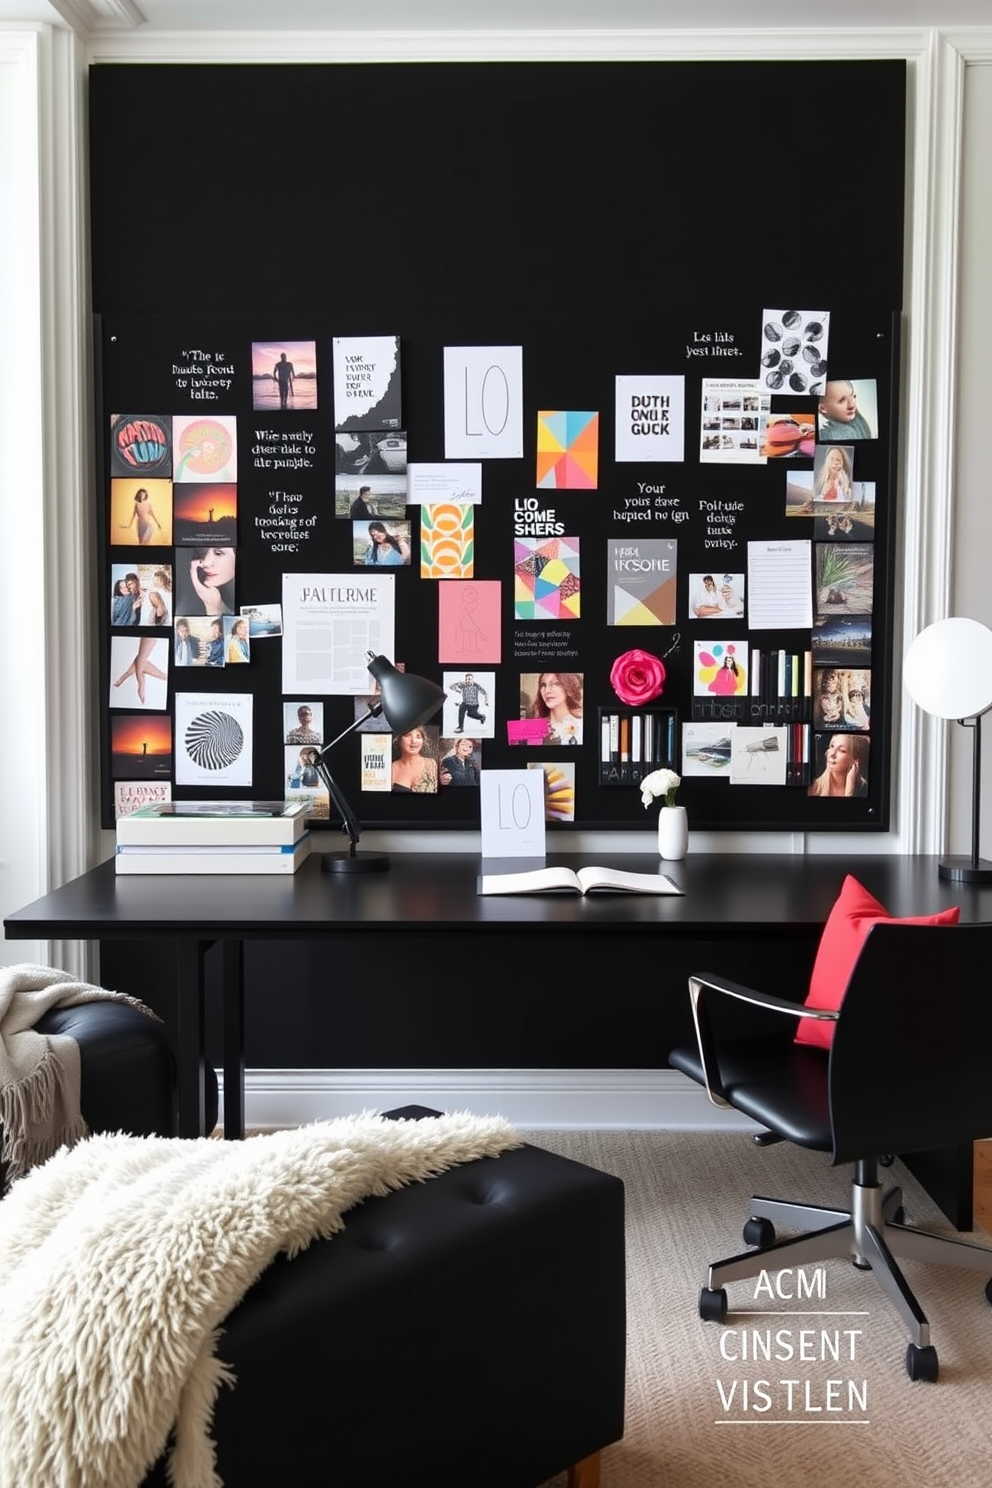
(686, 1199)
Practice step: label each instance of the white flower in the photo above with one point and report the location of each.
(660, 783)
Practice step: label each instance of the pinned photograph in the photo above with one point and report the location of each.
(370, 452)
(844, 578)
(141, 444)
(793, 351)
(833, 475)
(842, 698)
(720, 669)
(847, 410)
(842, 763)
(706, 749)
(414, 768)
(716, 596)
(469, 703)
(191, 639)
(559, 790)
(283, 375)
(461, 761)
(361, 497)
(303, 723)
(758, 756)
(205, 580)
(849, 521)
(139, 671)
(788, 436)
(213, 738)
(379, 544)
(554, 700)
(205, 512)
(205, 449)
(264, 621)
(140, 746)
(303, 783)
(237, 646)
(141, 512)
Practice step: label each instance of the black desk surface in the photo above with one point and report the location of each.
(725, 893)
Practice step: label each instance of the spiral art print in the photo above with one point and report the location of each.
(214, 740)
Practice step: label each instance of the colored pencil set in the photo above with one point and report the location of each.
(635, 742)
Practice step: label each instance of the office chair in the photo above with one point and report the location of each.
(910, 1067)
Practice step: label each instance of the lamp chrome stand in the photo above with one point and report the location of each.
(973, 869)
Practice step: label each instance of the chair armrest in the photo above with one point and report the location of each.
(700, 985)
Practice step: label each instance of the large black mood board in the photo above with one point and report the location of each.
(608, 219)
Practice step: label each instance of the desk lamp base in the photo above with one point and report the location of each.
(360, 863)
(965, 870)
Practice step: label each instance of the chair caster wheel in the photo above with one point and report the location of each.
(988, 1292)
(886, 1160)
(899, 1217)
(921, 1363)
(713, 1305)
(759, 1232)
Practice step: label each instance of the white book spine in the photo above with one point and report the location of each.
(210, 831)
(206, 863)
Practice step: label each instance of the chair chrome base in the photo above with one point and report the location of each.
(868, 1235)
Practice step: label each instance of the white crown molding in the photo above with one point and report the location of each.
(508, 46)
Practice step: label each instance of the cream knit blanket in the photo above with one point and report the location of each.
(121, 1257)
(39, 1074)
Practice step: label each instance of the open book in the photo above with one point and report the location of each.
(585, 881)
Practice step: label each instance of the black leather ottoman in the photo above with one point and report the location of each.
(467, 1332)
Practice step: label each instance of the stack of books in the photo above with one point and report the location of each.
(214, 837)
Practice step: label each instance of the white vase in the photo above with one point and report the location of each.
(673, 832)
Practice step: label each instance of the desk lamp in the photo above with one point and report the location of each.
(405, 701)
(948, 673)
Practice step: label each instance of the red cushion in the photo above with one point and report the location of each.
(840, 945)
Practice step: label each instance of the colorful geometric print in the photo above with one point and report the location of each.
(546, 578)
(447, 541)
(568, 450)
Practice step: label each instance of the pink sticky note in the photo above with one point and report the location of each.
(468, 620)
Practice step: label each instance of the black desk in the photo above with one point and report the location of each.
(771, 898)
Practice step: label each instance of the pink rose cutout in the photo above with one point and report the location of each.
(637, 677)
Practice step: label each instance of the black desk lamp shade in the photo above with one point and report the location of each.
(405, 702)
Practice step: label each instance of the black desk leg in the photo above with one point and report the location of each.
(234, 1041)
(190, 1053)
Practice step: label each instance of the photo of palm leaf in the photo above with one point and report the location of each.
(844, 578)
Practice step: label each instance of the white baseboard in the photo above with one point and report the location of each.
(530, 1099)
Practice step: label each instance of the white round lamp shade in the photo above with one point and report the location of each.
(948, 668)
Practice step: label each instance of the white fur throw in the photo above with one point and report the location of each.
(121, 1257)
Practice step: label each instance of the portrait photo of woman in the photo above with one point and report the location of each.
(461, 761)
(382, 544)
(832, 470)
(558, 698)
(205, 581)
(414, 767)
(141, 512)
(844, 770)
(238, 648)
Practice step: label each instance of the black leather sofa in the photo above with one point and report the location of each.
(127, 1069)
